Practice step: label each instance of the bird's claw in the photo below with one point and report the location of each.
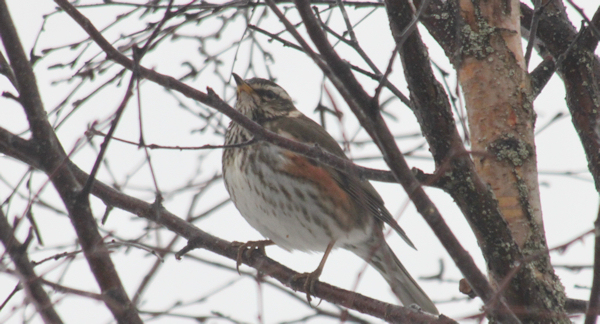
(249, 247)
(310, 278)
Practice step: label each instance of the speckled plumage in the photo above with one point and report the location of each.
(301, 204)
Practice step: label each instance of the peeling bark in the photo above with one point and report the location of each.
(498, 96)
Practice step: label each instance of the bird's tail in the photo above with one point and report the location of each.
(381, 257)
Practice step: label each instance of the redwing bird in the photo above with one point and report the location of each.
(301, 204)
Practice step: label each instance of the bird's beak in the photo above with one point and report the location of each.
(242, 86)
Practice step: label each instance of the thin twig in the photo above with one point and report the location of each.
(93, 131)
(104, 146)
(29, 280)
(594, 305)
(537, 12)
(590, 25)
(405, 33)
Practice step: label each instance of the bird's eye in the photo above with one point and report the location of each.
(268, 94)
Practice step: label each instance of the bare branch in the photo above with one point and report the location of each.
(29, 280)
(112, 197)
(583, 95)
(51, 157)
(371, 120)
(593, 308)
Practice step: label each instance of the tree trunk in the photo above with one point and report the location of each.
(498, 97)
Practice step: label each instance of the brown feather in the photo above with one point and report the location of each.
(305, 130)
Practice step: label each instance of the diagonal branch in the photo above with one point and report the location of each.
(19, 148)
(593, 309)
(470, 192)
(211, 99)
(51, 158)
(368, 114)
(29, 280)
(262, 263)
(580, 72)
(533, 28)
(29, 95)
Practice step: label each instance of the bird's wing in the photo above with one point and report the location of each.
(305, 130)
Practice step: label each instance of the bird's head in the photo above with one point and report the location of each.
(262, 99)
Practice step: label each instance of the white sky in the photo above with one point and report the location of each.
(569, 203)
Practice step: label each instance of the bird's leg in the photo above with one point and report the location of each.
(312, 277)
(248, 247)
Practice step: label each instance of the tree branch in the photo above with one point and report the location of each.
(367, 113)
(580, 72)
(211, 99)
(470, 192)
(593, 308)
(28, 278)
(52, 157)
(112, 197)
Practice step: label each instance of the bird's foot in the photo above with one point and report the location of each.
(247, 248)
(310, 278)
